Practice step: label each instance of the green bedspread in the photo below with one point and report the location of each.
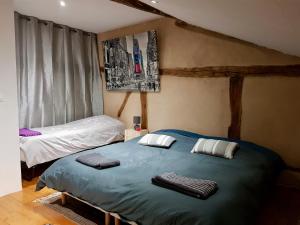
(127, 189)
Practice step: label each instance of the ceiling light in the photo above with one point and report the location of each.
(62, 3)
(154, 2)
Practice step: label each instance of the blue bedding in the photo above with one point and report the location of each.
(127, 189)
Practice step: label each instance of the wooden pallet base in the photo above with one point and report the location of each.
(108, 215)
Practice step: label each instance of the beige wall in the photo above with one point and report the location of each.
(270, 105)
(271, 115)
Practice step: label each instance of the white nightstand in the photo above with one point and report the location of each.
(131, 133)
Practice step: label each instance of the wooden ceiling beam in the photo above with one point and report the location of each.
(142, 6)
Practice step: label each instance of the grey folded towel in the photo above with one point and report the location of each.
(97, 160)
(194, 187)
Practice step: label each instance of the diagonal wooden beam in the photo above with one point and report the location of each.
(197, 29)
(124, 104)
(142, 6)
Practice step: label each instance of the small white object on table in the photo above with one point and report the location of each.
(131, 133)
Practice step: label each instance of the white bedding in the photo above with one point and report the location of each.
(62, 140)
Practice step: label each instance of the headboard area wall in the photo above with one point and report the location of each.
(212, 82)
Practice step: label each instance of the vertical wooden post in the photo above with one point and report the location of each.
(117, 221)
(63, 198)
(235, 94)
(107, 218)
(143, 96)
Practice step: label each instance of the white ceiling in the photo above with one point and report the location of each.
(271, 23)
(89, 15)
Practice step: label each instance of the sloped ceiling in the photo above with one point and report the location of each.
(89, 15)
(271, 23)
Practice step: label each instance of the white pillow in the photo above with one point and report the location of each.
(220, 148)
(157, 140)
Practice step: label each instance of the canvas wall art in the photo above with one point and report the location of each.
(131, 63)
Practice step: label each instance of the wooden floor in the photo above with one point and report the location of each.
(18, 208)
(282, 208)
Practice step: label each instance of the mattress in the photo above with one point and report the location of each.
(127, 190)
(62, 140)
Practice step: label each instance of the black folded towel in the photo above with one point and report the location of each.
(97, 160)
(194, 187)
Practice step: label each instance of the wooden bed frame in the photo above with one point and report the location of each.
(35, 171)
(117, 218)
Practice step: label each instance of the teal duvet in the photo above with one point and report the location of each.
(127, 189)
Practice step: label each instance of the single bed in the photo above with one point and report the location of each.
(127, 189)
(62, 140)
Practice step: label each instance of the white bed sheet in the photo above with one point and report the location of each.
(62, 140)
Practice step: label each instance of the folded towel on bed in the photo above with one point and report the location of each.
(194, 187)
(97, 160)
(25, 132)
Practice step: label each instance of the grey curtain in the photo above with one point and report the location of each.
(58, 73)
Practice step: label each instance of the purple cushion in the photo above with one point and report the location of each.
(24, 132)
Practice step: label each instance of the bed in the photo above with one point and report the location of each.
(62, 140)
(127, 190)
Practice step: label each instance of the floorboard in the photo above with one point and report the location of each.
(18, 208)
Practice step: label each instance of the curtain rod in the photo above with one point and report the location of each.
(45, 22)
